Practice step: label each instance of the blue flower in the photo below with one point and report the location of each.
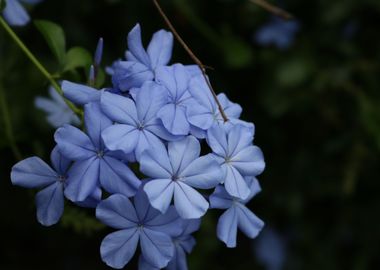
(136, 223)
(237, 214)
(233, 149)
(141, 64)
(204, 113)
(270, 249)
(56, 108)
(175, 172)
(15, 14)
(98, 52)
(277, 32)
(138, 127)
(35, 173)
(175, 79)
(94, 164)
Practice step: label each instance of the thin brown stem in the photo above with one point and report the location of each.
(273, 9)
(192, 56)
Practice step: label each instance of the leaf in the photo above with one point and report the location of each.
(55, 38)
(77, 57)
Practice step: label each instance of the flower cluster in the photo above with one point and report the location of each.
(158, 116)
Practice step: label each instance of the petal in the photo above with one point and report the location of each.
(117, 212)
(45, 105)
(135, 45)
(117, 177)
(15, 14)
(220, 199)
(147, 140)
(235, 183)
(144, 210)
(188, 202)
(227, 227)
(93, 200)
(32, 172)
(179, 261)
(144, 265)
(232, 110)
(217, 140)
(129, 74)
(191, 225)
(204, 172)
(174, 119)
(118, 248)
(118, 108)
(200, 91)
(248, 222)
(239, 137)
(156, 247)
(249, 161)
(183, 152)
(169, 223)
(200, 116)
(155, 163)
(95, 122)
(150, 98)
(83, 178)
(254, 187)
(121, 137)
(155, 126)
(80, 94)
(160, 48)
(60, 162)
(187, 242)
(160, 193)
(73, 143)
(50, 203)
(175, 79)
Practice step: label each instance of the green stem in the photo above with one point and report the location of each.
(7, 125)
(37, 63)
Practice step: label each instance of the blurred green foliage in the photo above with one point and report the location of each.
(316, 108)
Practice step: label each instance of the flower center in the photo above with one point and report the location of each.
(61, 178)
(100, 153)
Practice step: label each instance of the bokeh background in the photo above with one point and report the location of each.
(315, 103)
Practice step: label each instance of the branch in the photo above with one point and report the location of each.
(192, 56)
(273, 9)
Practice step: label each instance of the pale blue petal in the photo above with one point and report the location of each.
(117, 212)
(118, 108)
(160, 48)
(15, 14)
(239, 137)
(50, 203)
(146, 140)
(73, 143)
(200, 91)
(155, 126)
(45, 104)
(144, 265)
(227, 227)
(204, 172)
(93, 200)
(143, 208)
(60, 162)
(83, 178)
(80, 94)
(193, 70)
(117, 177)
(254, 187)
(217, 140)
(248, 222)
(118, 248)
(220, 198)
(197, 132)
(232, 110)
(183, 152)
(249, 161)
(200, 116)
(176, 80)
(235, 183)
(121, 137)
(174, 119)
(155, 163)
(179, 261)
(190, 226)
(169, 223)
(33, 172)
(160, 193)
(188, 202)
(135, 46)
(95, 122)
(130, 74)
(156, 247)
(150, 98)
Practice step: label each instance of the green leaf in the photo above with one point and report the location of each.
(55, 38)
(77, 57)
(2, 5)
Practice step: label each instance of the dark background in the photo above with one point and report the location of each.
(316, 107)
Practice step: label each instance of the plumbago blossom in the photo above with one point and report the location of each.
(158, 116)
